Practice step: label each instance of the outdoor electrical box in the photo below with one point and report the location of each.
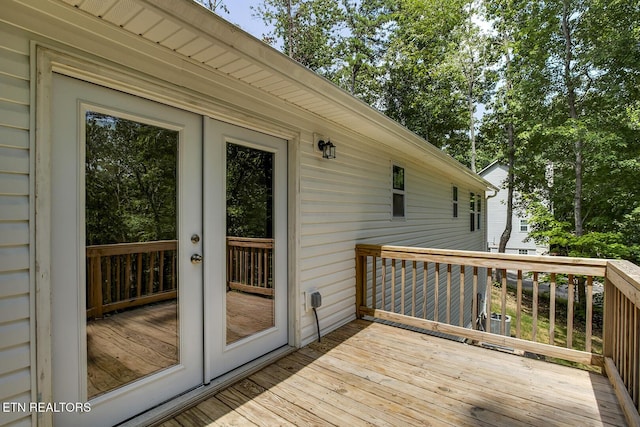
(316, 300)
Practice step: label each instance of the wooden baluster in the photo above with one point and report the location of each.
(365, 279)
(487, 298)
(448, 294)
(474, 309)
(117, 278)
(393, 285)
(251, 267)
(152, 263)
(461, 298)
(139, 274)
(161, 272)
(635, 387)
(589, 319)
(108, 281)
(261, 282)
(414, 286)
(436, 291)
(403, 294)
(359, 284)
(503, 302)
(425, 287)
(384, 283)
(374, 276)
(519, 304)
(552, 309)
(534, 308)
(127, 280)
(570, 298)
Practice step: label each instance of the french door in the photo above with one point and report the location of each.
(150, 296)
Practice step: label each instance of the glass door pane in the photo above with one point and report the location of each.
(250, 297)
(131, 250)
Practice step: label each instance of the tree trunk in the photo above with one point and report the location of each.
(511, 156)
(573, 115)
(472, 125)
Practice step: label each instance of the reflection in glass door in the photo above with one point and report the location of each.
(250, 297)
(131, 248)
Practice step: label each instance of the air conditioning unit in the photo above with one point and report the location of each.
(495, 324)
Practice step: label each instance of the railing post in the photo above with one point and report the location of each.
(359, 282)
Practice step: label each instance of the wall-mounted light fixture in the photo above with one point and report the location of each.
(327, 148)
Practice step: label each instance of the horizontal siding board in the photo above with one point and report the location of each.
(13, 89)
(14, 208)
(14, 184)
(14, 115)
(14, 358)
(15, 383)
(14, 308)
(12, 137)
(14, 64)
(14, 160)
(14, 233)
(12, 284)
(16, 419)
(15, 333)
(14, 41)
(14, 258)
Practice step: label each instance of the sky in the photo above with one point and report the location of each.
(240, 14)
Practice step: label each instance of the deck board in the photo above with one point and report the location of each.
(372, 374)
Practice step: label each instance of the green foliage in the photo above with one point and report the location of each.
(130, 175)
(249, 192)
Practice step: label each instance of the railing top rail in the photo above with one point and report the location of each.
(548, 264)
(131, 248)
(250, 242)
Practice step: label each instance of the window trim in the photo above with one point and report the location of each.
(526, 225)
(398, 191)
(454, 200)
(472, 212)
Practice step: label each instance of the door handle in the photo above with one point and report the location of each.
(196, 259)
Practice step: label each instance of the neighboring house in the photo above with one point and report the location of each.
(169, 72)
(518, 243)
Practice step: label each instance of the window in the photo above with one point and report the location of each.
(398, 192)
(472, 211)
(524, 225)
(523, 252)
(455, 202)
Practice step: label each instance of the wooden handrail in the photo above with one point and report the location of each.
(126, 275)
(421, 287)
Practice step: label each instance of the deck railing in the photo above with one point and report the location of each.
(249, 265)
(126, 275)
(449, 291)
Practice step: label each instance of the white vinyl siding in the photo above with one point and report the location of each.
(15, 327)
(346, 201)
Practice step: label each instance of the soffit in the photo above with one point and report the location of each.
(199, 35)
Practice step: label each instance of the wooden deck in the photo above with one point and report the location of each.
(127, 346)
(373, 374)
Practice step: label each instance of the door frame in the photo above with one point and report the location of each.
(72, 63)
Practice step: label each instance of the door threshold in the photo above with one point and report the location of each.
(180, 403)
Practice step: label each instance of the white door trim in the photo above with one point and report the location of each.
(73, 63)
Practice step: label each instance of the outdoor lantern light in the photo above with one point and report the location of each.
(328, 149)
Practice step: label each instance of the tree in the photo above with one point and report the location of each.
(418, 92)
(307, 30)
